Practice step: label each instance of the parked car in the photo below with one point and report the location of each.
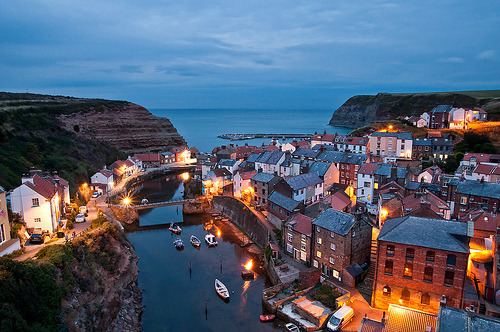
(340, 318)
(37, 236)
(80, 218)
(83, 209)
(95, 194)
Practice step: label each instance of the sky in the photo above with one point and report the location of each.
(291, 54)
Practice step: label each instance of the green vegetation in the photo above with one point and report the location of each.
(31, 291)
(31, 135)
(326, 295)
(475, 142)
(278, 236)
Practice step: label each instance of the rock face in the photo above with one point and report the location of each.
(128, 127)
(362, 110)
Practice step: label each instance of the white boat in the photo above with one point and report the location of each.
(144, 201)
(210, 240)
(195, 241)
(221, 290)
(174, 228)
(179, 245)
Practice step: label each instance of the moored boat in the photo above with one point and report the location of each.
(179, 245)
(174, 228)
(210, 240)
(221, 290)
(144, 201)
(267, 318)
(195, 241)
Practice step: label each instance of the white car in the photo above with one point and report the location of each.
(80, 218)
(95, 194)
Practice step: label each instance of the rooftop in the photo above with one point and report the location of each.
(301, 223)
(478, 188)
(263, 177)
(452, 319)
(403, 319)
(335, 221)
(303, 181)
(399, 135)
(282, 201)
(426, 232)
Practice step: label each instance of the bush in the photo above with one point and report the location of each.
(326, 295)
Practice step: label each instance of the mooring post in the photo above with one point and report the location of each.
(206, 311)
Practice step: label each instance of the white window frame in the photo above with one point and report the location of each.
(319, 240)
(35, 202)
(332, 246)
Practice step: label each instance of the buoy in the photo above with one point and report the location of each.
(233, 292)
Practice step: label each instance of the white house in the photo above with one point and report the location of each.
(290, 167)
(366, 183)
(356, 144)
(485, 172)
(241, 182)
(426, 116)
(325, 139)
(270, 161)
(391, 144)
(430, 175)
(230, 164)
(105, 177)
(40, 201)
(306, 188)
(421, 123)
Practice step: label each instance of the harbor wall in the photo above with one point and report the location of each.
(242, 216)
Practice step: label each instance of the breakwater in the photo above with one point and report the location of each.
(238, 137)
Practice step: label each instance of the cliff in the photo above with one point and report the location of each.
(74, 136)
(364, 110)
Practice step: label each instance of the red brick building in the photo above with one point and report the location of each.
(419, 260)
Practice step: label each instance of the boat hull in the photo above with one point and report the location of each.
(267, 318)
(221, 290)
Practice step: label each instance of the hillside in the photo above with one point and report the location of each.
(74, 136)
(363, 110)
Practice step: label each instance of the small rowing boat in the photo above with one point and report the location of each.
(210, 240)
(195, 241)
(267, 318)
(221, 290)
(174, 228)
(179, 245)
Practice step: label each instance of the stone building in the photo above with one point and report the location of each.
(420, 260)
(339, 240)
(297, 237)
(281, 208)
(262, 185)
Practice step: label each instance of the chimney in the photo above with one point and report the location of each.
(324, 133)
(394, 172)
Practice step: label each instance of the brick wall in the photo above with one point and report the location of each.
(416, 284)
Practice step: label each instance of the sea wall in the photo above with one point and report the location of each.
(242, 216)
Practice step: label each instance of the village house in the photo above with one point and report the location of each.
(461, 117)
(294, 145)
(149, 160)
(427, 118)
(422, 148)
(290, 167)
(488, 172)
(167, 157)
(391, 144)
(182, 154)
(40, 200)
(327, 172)
(230, 164)
(339, 240)
(440, 117)
(339, 201)
(430, 175)
(263, 185)
(224, 152)
(365, 183)
(325, 139)
(270, 161)
(7, 244)
(216, 180)
(104, 177)
(297, 237)
(347, 163)
(356, 144)
(241, 183)
(306, 154)
(476, 195)
(280, 208)
(425, 204)
(306, 188)
(420, 260)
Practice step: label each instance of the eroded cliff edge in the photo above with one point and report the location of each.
(363, 110)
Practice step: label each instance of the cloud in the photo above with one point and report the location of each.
(486, 55)
(453, 60)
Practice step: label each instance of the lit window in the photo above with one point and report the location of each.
(315, 263)
(318, 253)
(387, 291)
(463, 200)
(319, 240)
(408, 271)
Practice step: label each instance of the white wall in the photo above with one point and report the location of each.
(21, 202)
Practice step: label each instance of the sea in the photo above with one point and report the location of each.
(200, 128)
(178, 286)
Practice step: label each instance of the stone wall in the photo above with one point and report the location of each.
(242, 216)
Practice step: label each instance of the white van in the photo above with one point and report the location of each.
(83, 209)
(340, 318)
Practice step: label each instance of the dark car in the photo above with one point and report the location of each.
(36, 238)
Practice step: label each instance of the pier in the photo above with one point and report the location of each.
(239, 137)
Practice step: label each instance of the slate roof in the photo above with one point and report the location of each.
(221, 172)
(263, 177)
(335, 221)
(442, 109)
(320, 167)
(106, 172)
(301, 224)
(331, 156)
(252, 158)
(343, 157)
(270, 157)
(356, 140)
(476, 188)
(426, 232)
(227, 162)
(412, 185)
(303, 181)
(368, 169)
(148, 157)
(283, 201)
(385, 170)
(422, 142)
(452, 319)
(307, 153)
(400, 135)
(247, 175)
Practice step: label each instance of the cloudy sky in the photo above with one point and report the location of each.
(247, 54)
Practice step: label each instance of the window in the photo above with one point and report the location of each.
(332, 234)
(367, 185)
(428, 270)
(410, 253)
(388, 267)
(390, 250)
(318, 253)
(289, 247)
(405, 295)
(319, 240)
(290, 237)
(387, 291)
(375, 185)
(336, 274)
(315, 263)
(426, 299)
(430, 256)
(408, 271)
(353, 233)
(463, 200)
(331, 261)
(274, 207)
(34, 202)
(263, 201)
(37, 220)
(448, 278)
(2, 233)
(263, 191)
(451, 260)
(317, 229)
(303, 245)
(332, 246)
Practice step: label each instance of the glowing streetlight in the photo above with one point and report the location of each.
(126, 201)
(185, 176)
(384, 213)
(390, 126)
(218, 233)
(249, 265)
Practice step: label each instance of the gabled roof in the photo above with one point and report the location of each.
(483, 221)
(306, 153)
(148, 157)
(221, 172)
(42, 186)
(368, 169)
(338, 201)
(129, 163)
(270, 157)
(117, 164)
(324, 137)
(303, 180)
(385, 170)
(263, 177)
(485, 169)
(331, 156)
(422, 142)
(479, 157)
(252, 158)
(106, 172)
(442, 109)
(399, 135)
(335, 221)
(227, 162)
(363, 141)
(426, 232)
(284, 202)
(476, 188)
(452, 319)
(320, 167)
(247, 175)
(301, 224)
